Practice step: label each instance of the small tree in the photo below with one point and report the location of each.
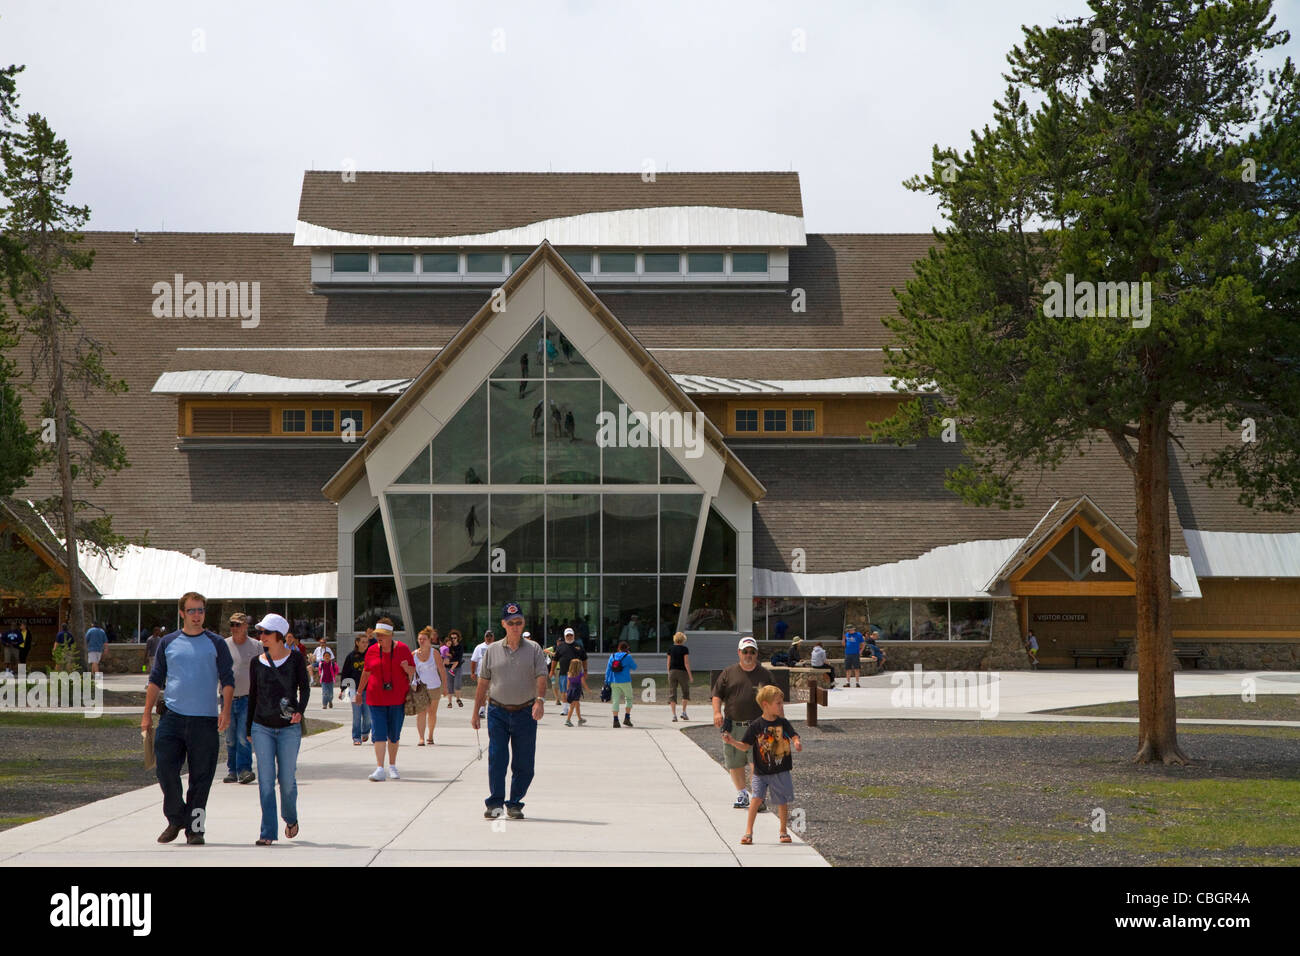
(46, 230)
(1154, 152)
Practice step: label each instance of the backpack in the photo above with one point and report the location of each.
(616, 663)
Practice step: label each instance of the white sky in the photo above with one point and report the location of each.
(217, 140)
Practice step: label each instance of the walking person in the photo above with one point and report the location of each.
(320, 653)
(618, 675)
(191, 663)
(568, 650)
(329, 672)
(388, 675)
(771, 738)
(455, 656)
(577, 683)
(151, 645)
(476, 661)
(513, 679)
(1031, 645)
(735, 690)
(239, 752)
(96, 641)
(431, 675)
(353, 666)
(679, 674)
(278, 692)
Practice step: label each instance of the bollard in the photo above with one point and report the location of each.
(815, 696)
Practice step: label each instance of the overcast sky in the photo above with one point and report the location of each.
(203, 116)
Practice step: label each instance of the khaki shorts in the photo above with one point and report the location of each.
(677, 680)
(733, 758)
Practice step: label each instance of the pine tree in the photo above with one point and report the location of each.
(1142, 144)
(46, 230)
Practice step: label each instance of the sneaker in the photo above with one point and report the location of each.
(742, 800)
(581, 721)
(684, 717)
(627, 720)
(674, 719)
(230, 778)
(515, 813)
(568, 723)
(247, 776)
(393, 774)
(616, 723)
(491, 813)
(379, 775)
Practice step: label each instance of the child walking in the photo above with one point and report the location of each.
(577, 684)
(771, 736)
(329, 672)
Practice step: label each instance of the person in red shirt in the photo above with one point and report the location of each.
(388, 673)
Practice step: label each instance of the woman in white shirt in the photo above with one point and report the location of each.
(431, 675)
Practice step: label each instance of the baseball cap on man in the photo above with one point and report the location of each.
(510, 610)
(568, 631)
(273, 622)
(747, 642)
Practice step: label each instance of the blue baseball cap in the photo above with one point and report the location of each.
(510, 609)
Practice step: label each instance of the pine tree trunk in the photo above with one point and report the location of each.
(71, 561)
(1157, 721)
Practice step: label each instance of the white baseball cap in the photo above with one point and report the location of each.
(747, 642)
(274, 622)
(568, 631)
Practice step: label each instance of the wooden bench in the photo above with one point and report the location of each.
(1192, 656)
(1098, 654)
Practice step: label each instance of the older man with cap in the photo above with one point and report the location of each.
(239, 751)
(513, 679)
(735, 688)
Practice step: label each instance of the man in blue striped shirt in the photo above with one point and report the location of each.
(189, 666)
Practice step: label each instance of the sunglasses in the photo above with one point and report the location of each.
(749, 650)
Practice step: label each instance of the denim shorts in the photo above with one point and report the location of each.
(386, 722)
(775, 788)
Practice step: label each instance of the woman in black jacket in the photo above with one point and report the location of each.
(278, 689)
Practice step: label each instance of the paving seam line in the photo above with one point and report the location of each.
(418, 813)
(697, 803)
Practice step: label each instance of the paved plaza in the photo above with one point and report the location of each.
(641, 796)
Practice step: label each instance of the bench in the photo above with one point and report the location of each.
(1188, 655)
(1098, 654)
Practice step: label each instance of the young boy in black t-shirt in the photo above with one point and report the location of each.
(771, 736)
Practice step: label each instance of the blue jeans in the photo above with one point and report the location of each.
(239, 752)
(186, 740)
(327, 692)
(512, 734)
(360, 718)
(277, 757)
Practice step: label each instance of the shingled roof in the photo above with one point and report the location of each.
(452, 204)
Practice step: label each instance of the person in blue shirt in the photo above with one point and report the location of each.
(618, 675)
(853, 641)
(187, 670)
(96, 638)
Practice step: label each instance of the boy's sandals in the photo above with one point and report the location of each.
(747, 839)
(785, 838)
(291, 830)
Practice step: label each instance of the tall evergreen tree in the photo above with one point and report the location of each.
(46, 229)
(1142, 144)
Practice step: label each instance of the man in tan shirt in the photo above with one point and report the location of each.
(513, 682)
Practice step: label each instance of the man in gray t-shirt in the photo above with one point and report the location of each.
(513, 675)
(239, 751)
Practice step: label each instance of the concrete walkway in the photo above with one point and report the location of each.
(643, 796)
(646, 796)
